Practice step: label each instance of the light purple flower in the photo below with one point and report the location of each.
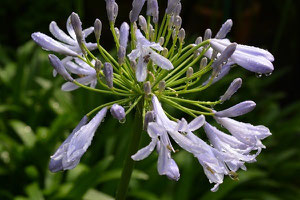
(59, 67)
(152, 10)
(137, 6)
(172, 4)
(245, 132)
(80, 68)
(251, 58)
(112, 9)
(226, 27)
(68, 155)
(66, 44)
(144, 51)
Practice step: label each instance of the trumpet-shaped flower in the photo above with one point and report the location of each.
(68, 155)
(65, 44)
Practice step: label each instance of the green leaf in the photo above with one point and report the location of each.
(33, 191)
(24, 132)
(95, 194)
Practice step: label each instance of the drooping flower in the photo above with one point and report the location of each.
(68, 155)
(144, 51)
(65, 44)
(251, 58)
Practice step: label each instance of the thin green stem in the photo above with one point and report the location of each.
(133, 147)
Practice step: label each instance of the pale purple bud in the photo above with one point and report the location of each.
(112, 10)
(161, 41)
(108, 73)
(207, 34)
(149, 117)
(137, 6)
(177, 22)
(234, 86)
(151, 32)
(237, 110)
(97, 29)
(198, 40)
(171, 22)
(143, 23)
(117, 112)
(181, 35)
(172, 4)
(121, 55)
(147, 88)
(59, 67)
(98, 65)
(152, 10)
(161, 86)
(226, 27)
(225, 55)
(178, 9)
(124, 33)
(203, 63)
(189, 72)
(76, 24)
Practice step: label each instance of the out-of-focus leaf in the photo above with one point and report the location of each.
(33, 191)
(116, 174)
(142, 195)
(89, 179)
(24, 132)
(95, 194)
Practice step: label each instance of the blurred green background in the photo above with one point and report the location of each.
(36, 116)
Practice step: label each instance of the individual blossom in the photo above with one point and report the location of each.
(145, 52)
(68, 155)
(86, 72)
(65, 44)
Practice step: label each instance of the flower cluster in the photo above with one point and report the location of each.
(154, 65)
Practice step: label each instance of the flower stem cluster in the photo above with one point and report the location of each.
(153, 65)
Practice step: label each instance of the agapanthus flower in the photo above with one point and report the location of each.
(160, 70)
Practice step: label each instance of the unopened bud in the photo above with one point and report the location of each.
(117, 32)
(234, 86)
(225, 55)
(171, 22)
(198, 40)
(177, 22)
(117, 111)
(161, 86)
(161, 41)
(178, 9)
(147, 88)
(137, 6)
(164, 52)
(143, 23)
(124, 33)
(112, 10)
(237, 110)
(226, 27)
(152, 10)
(121, 55)
(189, 72)
(108, 73)
(76, 24)
(172, 4)
(181, 35)
(97, 29)
(149, 117)
(203, 63)
(59, 67)
(98, 65)
(207, 34)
